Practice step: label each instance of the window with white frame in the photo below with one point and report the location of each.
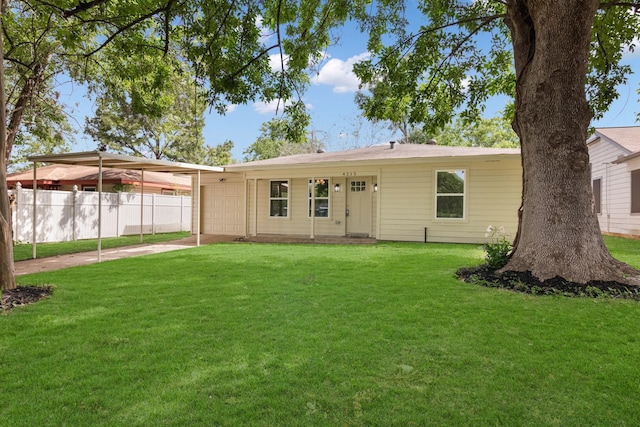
(319, 190)
(450, 194)
(279, 198)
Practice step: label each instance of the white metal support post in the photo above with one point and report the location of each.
(100, 208)
(198, 211)
(313, 207)
(141, 204)
(34, 219)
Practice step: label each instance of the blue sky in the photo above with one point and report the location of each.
(330, 99)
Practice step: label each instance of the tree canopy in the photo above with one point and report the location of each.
(491, 132)
(450, 59)
(275, 141)
(161, 120)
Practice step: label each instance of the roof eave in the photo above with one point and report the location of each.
(626, 158)
(366, 162)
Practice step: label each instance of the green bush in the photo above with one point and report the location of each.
(498, 248)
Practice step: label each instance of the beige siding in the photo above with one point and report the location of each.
(400, 210)
(298, 222)
(407, 198)
(222, 205)
(615, 215)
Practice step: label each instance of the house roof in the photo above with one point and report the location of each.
(63, 173)
(627, 138)
(374, 154)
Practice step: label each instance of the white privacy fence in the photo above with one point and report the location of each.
(73, 215)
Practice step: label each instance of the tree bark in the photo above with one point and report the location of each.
(7, 270)
(558, 233)
(31, 85)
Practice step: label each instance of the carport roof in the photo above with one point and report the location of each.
(112, 160)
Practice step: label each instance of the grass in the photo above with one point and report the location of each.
(25, 251)
(241, 334)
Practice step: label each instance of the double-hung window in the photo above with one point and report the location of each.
(450, 194)
(279, 198)
(319, 190)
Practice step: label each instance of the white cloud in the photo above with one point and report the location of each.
(339, 74)
(627, 53)
(231, 108)
(265, 33)
(275, 61)
(272, 107)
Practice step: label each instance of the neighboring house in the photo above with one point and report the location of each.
(393, 192)
(615, 170)
(65, 177)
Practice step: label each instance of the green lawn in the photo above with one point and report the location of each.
(242, 334)
(25, 251)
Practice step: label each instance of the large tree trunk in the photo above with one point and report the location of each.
(7, 271)
(31, 85)
(558, 233)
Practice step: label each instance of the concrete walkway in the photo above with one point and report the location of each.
(73, 260)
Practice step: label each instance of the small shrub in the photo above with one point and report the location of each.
(498, 248)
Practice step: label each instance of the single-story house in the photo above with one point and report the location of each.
(615, 174)
(64, 177)
(401, 192)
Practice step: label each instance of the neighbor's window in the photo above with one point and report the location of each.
(320, 191)
(279, 198)
(597, 195)
(88, 188)
(450, 192)
(635, 191)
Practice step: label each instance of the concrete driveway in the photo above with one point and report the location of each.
(72, 260)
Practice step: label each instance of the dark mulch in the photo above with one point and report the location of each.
(23, 295)
(525, 282)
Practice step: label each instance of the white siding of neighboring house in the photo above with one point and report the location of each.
(615, 216)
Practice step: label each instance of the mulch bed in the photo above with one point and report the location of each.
(525, 282)
(23, 295)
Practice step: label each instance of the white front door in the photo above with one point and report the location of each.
(359, 207)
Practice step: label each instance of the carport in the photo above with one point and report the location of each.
(103, 159)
